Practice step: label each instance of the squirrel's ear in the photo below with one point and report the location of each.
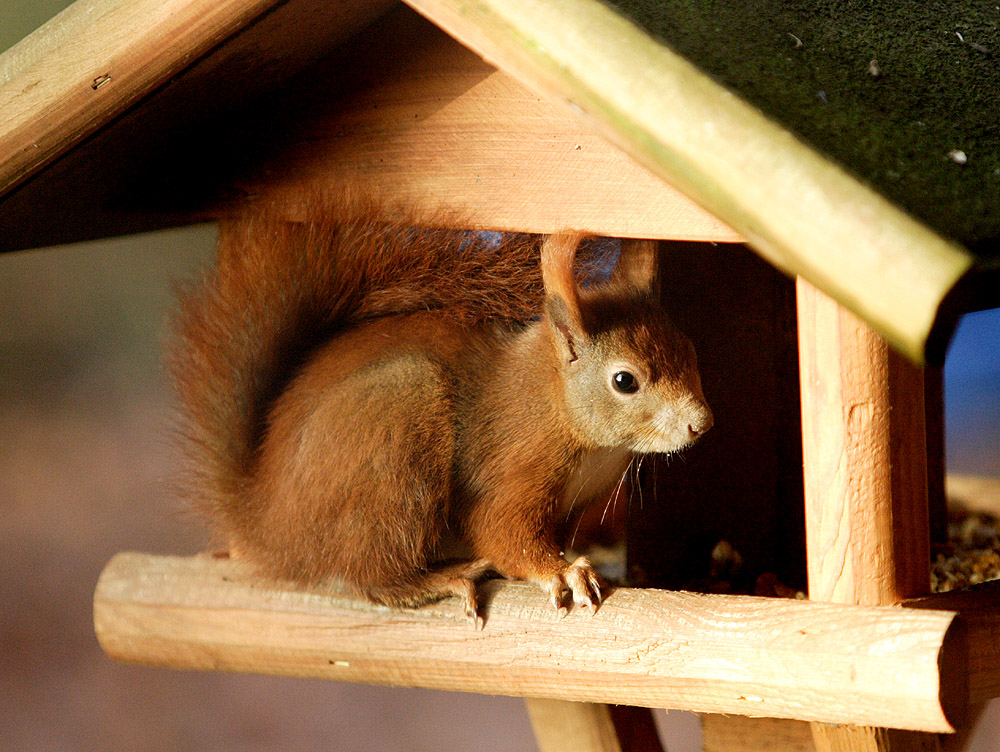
(638, 265)
(562, 301)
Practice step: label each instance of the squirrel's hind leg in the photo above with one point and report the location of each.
(456, 579)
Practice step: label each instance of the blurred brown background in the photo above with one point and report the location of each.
(85, 468)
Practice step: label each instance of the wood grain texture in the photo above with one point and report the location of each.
(864, 455)
(865, 479)
(802, 212)
(725, 654)
(979, 607)
(736, 734)
(92, 62)
(566, 726)
(440, 129)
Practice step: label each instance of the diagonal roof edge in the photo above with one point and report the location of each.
(800, 211)
(92, 62)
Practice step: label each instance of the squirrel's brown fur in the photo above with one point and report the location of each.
(363, 399)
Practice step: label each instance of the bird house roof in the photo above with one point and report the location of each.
(857, 149)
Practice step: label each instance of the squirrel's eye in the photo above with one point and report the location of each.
(625, 382)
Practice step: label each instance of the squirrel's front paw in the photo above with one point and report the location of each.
(578, 578)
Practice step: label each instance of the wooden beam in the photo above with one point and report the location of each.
(735, 734)
(92, 62)
(979, 607)
(864, 457)
(802, 212)
(721, 654)
(442, 131)
(565, 726)
(100, 159)
(864, 471)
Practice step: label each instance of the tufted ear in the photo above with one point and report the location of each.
(638, 266)
(562, 299)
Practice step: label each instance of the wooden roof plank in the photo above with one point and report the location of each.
(111, 181)
(446, 134)
(438, 130)
(92, 62)
(802, 212)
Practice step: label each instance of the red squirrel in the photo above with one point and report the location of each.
(362, 398)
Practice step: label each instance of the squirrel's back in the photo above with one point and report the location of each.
(281, 287)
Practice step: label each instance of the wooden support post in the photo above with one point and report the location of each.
(864, 460)
(565, 726)
(733, 733)
(864, 455)
(858, 738)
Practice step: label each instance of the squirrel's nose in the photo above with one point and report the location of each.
(701, 422)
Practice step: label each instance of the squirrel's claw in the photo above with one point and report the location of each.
(578, 579)
(585, 584)
(471, 604)
(459, 579)
(557, 589)
(472, 612)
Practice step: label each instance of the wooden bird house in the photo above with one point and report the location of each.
(820, 268)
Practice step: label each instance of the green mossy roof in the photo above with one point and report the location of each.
(808, 65)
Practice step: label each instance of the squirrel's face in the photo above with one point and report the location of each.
(631, 379)
(648, 414)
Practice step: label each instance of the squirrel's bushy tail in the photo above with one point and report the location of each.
(280, 287)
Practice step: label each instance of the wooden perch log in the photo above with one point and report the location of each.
(979, 607)
(708, 653)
